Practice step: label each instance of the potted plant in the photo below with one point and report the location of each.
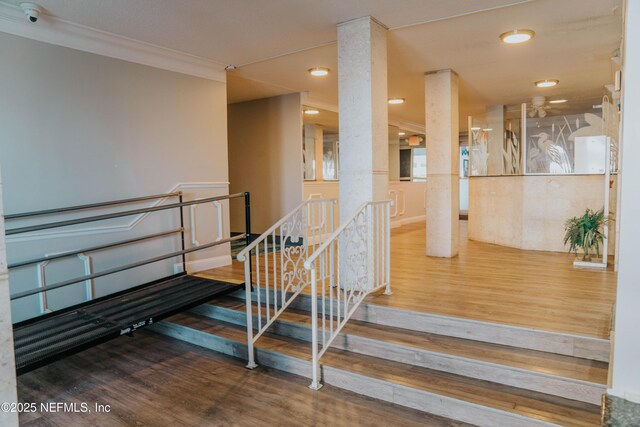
(584, 233)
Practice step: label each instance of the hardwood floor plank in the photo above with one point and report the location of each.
(491, 283)
(152, 380)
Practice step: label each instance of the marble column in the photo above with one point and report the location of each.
(622, 405)
(441, 132)
(362, 93)
(8, 391)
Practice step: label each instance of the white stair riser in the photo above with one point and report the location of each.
(525, 379)
(495, 333)
(372, 387)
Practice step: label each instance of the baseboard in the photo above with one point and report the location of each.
(410, 220)
(204, 264)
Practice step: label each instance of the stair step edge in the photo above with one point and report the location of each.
(407, 396)
(581, 346)
(542, 382)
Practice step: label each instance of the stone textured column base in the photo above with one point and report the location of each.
(619, 412)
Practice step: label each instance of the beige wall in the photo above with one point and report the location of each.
(80, 128)
(529, 212)
(411, 204)
(265, 158)
(410, 197)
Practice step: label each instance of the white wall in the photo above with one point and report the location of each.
(80, 128)
(529, 212)
(265, 158)
(626, 353)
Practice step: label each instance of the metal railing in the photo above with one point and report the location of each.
(89, 275)
(352, 263)
(277, 258)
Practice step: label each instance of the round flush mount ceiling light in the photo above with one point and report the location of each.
(319, 71)
(557, 101)
(517, 36)
(547, 83)
(487, 130)
(475, 128)
(401, 133)
(311, 111)
(396, 101)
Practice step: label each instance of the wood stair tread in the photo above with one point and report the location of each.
(531, 360)
(530, 404)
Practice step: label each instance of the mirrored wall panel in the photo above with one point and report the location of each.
(321, 146)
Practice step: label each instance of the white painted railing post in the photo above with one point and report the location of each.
(387, 249)
(251, 364)
(315, 381)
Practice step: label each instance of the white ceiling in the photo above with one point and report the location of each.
(274, 42)
(574, 42)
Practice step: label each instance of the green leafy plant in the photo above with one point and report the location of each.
(584, 233)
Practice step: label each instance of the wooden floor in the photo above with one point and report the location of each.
(152, 380)
(492, 283)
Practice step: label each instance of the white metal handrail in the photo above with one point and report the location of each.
(280, 271)
(352, 263)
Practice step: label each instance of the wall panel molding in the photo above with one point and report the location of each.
(136, 220)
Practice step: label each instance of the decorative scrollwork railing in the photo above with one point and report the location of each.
(274, 264)
(352, 263)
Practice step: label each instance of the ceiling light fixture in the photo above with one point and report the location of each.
(319, 71)
(487, 129)
(517, 36)
(547, 83)
(557, 101)
(475, 128)
(396, 101)
(312, 111)
(401, 133)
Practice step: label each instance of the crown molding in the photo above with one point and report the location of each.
(50, 29)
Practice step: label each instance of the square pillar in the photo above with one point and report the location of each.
(362, 87)
(441, 132)
(8, 391)
(622, 403)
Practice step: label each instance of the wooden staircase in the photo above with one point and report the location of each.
(452, 367)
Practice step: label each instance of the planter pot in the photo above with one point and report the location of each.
(594, 263)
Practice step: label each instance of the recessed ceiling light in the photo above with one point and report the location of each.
(396, 101)
(311, 111)
(557, 101)
(487, 129)
(547, 83)
(319, 71)
(401, 133)
(517, 36)
(475, 128)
